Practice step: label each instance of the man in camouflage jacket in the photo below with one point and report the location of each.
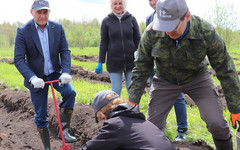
(178, 43)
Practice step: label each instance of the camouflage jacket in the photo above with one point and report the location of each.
(180, 65)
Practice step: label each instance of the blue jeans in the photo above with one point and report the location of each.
(151, 77)
(116, 80)
(181, 114)
(40, 99)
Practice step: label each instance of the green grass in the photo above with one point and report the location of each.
(9, 52)
(89, 66)
(86, 51)
(10, 77)
(87, 90)
(6, 53)
(234, 49)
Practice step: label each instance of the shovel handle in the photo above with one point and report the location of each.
(56, 108)
(53, 81)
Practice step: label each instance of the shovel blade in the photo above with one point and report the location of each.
(66, 147)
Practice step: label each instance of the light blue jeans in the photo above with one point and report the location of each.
(116, 80)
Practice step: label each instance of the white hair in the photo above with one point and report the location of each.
(124, 4)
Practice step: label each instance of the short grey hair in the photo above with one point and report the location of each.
(124, 4)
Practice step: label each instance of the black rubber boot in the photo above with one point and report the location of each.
(65, 116)
(223, 144)
(44, 134)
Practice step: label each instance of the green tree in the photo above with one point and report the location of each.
(225, 19)
(142, 27)
(82, 34)
(7, 34)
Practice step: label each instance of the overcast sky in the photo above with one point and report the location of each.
(78, 10)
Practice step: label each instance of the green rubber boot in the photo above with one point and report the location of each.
(65, 116)
(44, 134)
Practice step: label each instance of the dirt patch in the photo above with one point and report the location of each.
(80, 73)
(18, 131)
(86, 58)
(192, 145)
(7, 60)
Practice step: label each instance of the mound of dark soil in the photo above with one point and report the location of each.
(80, 73)
(18, 131)
(86, 58)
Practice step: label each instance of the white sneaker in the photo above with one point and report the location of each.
(181, 136)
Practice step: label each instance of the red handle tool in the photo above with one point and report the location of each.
(64, 147)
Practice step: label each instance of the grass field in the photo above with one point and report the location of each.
(10, 77)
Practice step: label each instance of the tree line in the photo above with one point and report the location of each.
(87, 33)
(79, 34)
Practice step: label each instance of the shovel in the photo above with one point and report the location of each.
(64, 147)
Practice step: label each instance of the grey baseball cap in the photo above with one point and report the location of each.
(168, 14)
(99, 100)
(40, 4)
